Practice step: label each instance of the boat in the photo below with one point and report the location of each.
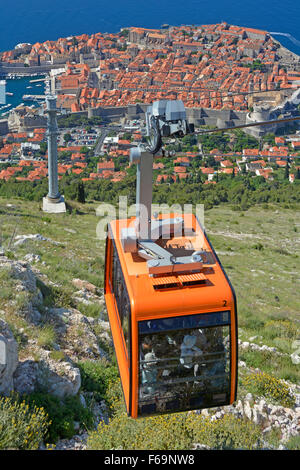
(8, 93)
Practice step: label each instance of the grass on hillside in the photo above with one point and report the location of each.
(79, 253)
(258, 248)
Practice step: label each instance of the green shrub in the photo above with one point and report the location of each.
(54, 295)
(178, 431)
(263, 384)
(258, 246)
(225, 433)
(46, 337)
(273, 364)
(62, 414)
(281, 329)
(168, 432)
(96, 376)
(293, 443)
(57, 356)
(46, 292)
(90, 310)
(21, 427)
(10, 254)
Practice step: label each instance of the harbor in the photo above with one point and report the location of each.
(23, 90)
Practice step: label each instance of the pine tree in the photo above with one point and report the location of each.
(287, 172)
(80, 193)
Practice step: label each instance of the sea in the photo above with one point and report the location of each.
(19, 87)
(34, 21)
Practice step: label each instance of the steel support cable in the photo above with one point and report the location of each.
(242, 126)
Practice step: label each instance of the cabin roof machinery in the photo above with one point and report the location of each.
(163, 118)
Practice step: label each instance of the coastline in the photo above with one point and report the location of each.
(16, 88)
(16, 71)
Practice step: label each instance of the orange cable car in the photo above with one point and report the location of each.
(171, 308)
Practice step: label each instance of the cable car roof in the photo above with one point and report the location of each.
(158, 296)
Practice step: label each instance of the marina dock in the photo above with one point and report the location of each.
(37, 80)
(33, 97)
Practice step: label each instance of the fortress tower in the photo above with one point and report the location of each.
(260, 113)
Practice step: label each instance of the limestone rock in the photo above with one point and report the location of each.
(249, 398)
(32, 258)
(61, 379)
(257, 416)
(78, 338)
(87, 297)
(20, 271)
(197, 446)
(25, 376)
(84, 285)
(77, 442)
(295, 358)
(8, 358)
(24, 283)
(247, 410)
(21, 239)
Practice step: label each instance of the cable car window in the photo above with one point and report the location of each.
(121, 296)
(184, 363)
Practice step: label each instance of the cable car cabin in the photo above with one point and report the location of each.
(174, 333)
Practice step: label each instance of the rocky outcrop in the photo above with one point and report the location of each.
(84, 285)
(32, 258)
(24, 283)
(75, 337)
(78, 442)
(77, 333)
(8, 358)
(88, 294)
(25, 377)
(59, 378)
(21, 239)
(264, 414)
(256, 347)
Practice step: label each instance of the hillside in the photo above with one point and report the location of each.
(51, 277)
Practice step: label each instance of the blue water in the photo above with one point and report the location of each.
(19, 88)
(36, 21)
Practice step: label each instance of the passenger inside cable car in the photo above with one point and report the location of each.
(180, 357)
